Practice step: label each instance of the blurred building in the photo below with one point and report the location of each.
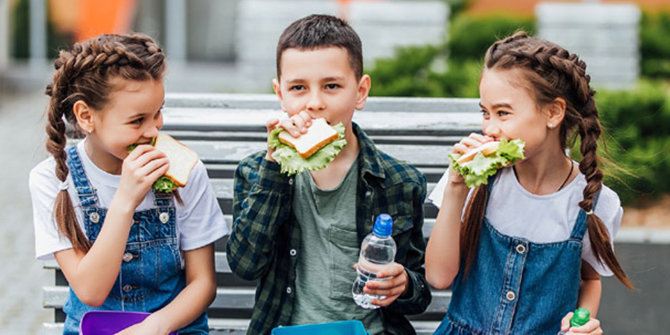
(223, 45)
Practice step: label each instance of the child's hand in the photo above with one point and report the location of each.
(139, 171)
(150, 326)
(592, 327)
(464, 146)
(392, 288)
(296, 125)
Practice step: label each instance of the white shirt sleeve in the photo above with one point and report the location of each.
(44, 187)
(200, 220)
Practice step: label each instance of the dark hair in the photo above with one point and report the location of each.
(321, 31)
(552, 72)
(84, 74)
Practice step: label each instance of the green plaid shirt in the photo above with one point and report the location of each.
(265, 238)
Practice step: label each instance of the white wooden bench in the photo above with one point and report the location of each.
(225, 128)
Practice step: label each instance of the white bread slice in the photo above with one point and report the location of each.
(486, 149)
(182, 158)
(318, 135)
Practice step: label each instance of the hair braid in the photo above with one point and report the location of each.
(83, 74)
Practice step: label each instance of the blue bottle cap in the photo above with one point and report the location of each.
(383, 225)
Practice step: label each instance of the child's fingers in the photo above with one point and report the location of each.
(271, 124)
(139, 151)
(160, 169)
(592, 328)
(302, 121)
(153, 166)
(480, 138)
(291, 128)
(565, 322)
(472, 142)
(393, 270)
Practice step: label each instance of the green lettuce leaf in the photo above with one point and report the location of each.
(292, 163)
(163, 183)
(477, 171)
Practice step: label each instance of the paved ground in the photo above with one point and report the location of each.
(21, 147)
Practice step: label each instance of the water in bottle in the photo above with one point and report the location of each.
(377, 251)
(580, 318)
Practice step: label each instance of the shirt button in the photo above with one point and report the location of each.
(520, 248)
(288, 290)
(127, 257)
(290, 181)
(293, 252)
(127, 288)
(368, 194)
(510, 295)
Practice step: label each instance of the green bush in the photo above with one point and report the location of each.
(637, 139)
(424, 72)
(470, 36)
(450, 70)
(654, 45)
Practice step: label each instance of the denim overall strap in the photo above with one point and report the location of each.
(515, 286)
(86, 193)
(581, 225)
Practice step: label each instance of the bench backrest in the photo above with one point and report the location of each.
(225, 128)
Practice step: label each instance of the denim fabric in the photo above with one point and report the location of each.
(151, 274)
(516, 286)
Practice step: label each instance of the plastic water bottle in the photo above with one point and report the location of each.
(580, 318)
(377, 251)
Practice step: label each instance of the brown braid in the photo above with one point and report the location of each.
(552, 72)
(83, 74)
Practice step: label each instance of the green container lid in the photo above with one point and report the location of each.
(580, 318)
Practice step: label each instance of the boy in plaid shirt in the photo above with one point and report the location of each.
(300, 236)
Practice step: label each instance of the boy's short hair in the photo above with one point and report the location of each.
(320, 31)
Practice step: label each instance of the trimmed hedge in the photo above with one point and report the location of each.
(655, 45)
(638, 139)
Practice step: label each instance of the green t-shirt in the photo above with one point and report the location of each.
(330, 248)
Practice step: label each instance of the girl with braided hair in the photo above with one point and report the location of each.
(523, 251)
(120, 245)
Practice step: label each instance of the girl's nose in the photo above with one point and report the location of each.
(491, 129)
(151, 132)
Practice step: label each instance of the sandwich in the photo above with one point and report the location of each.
(182, 160)
(311, 151)
(479, 164)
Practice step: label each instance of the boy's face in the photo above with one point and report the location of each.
(322, 83)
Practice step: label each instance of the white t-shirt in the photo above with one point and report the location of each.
(514, 211)
(199, 220)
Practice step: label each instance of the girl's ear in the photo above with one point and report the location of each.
(84, 116)
(363, 91)
(555, 111)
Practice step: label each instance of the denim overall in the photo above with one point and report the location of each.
(515, 286)
(151, 275)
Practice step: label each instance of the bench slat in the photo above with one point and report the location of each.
(239, 327)
(229, 298)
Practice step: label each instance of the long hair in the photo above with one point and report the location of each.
(552, 72)
(83, 74)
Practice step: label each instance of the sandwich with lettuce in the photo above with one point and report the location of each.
(182, 160)
(311, 151)
(479, 164)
